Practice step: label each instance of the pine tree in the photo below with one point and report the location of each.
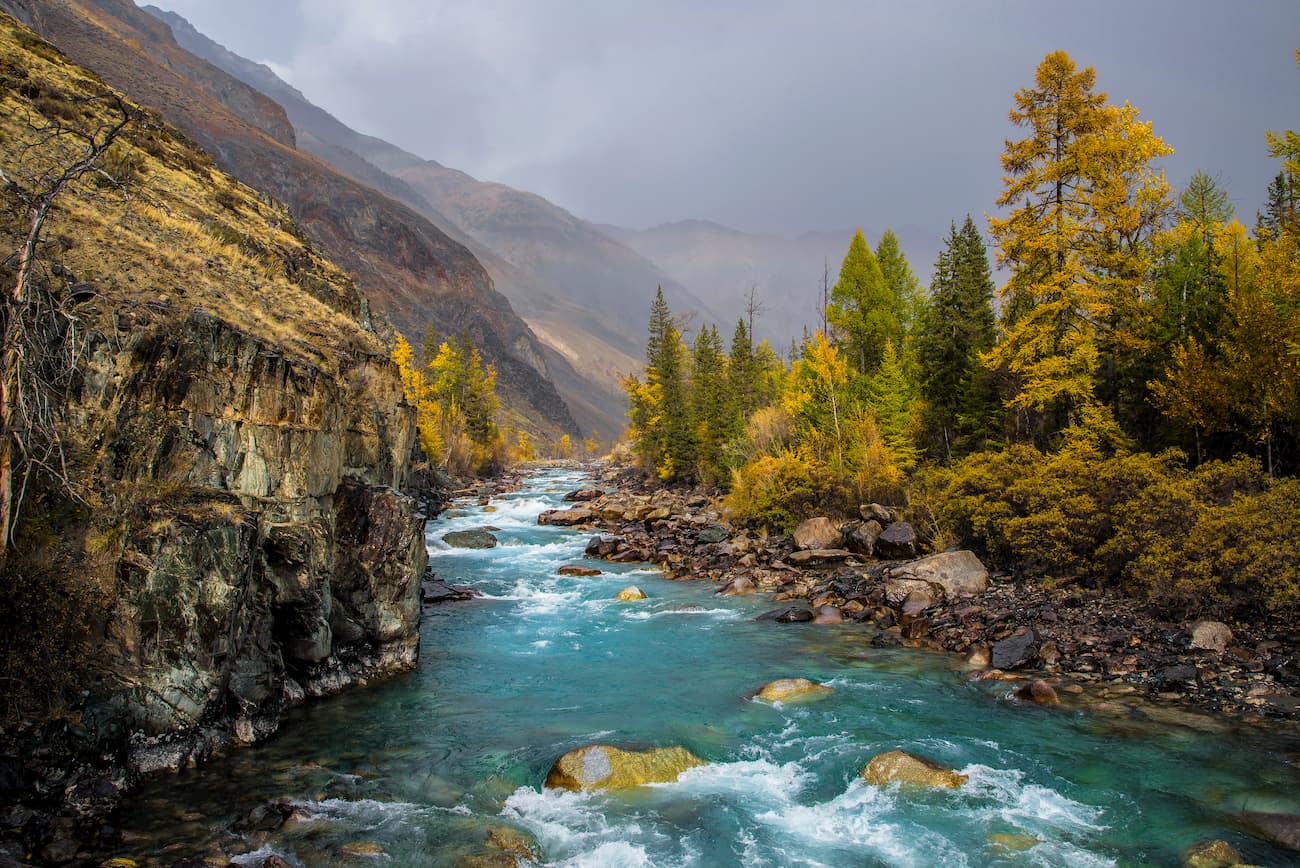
(892, 397)
(954, 328)
(861, 313)
(709, 404)
(659, 410)
(903, 287)
(742, 376)
(1281, 207)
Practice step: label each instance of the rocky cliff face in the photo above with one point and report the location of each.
(235, 437)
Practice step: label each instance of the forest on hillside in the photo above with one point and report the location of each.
(1124, 410)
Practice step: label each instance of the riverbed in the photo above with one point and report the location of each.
(417, 769)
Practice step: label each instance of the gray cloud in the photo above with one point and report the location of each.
(769, 115)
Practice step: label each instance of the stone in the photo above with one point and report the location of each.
(916, 602)
(896, 542)
(508, 839)
(909, 770)
(488, 860)
(362, 849)
(1017, 650)
(1012, 842)
(714, 533)
(861, 539)
(1213, 636)
(793, 690)
(119, 862)
(788, 615)
(1280, 829)
(828, 615)
(630, 594)
(898, 590)
(875, 512)
(566, 517)
(1179, 674)
(433, 591)
(603, 546)
(1211, 854)
(1038, 692)
(603, 767)
(980, 656)
(470, 539)
(736, 587)
(960, 574)
(582, 495)
(817, 533)
(817, 556)
(266, 817)
(577, 570)
(60, 851)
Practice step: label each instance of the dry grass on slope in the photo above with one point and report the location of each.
(161, 231)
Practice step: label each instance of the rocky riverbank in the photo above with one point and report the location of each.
(1063, 644)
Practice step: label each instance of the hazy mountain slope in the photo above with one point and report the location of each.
(411, 270)
(721, 264)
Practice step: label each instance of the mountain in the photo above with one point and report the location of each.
(411, 270)
(585, 294)
(721, 265)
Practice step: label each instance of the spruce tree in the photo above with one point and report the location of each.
(862, 313)
(670, 441)
(903, 287)
(709, 403)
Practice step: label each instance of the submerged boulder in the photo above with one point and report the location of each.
(788, 615)
(476, 538)
(577, 570)
(1211, 854)
(1280, 829)
(1038, 692)
(508, 839)
(603, 767)
(828, 615)
(910, 770)
(793, 690)
(817, 533)
(629, 594)
(737, 587)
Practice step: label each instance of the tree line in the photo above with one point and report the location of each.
(1143, 336)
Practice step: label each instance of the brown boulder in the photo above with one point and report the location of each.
(577, 570)
(828, 615)
(960, 574)
(566, 517)
(600, 766)
(817, 556)
(1038, 692)
(793, 690)
(1210, 636)
(630, 594)
(737, 587)
(896, 542)
(909, 770)
(818, 533)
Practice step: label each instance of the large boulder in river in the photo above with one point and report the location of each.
(1280, 829)
(817, 533)
(1038, 692)
(737, 587)
(602, 767)
(1211, 854)
(566, 517)
(1210, 636)
(582, 495)
(960, 574)
(577, 570)
(788, 615)
(900, 767)
(478, 538)
(896, 542)
(793, 690)
(630, 594)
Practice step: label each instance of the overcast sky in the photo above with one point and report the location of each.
(768, 115)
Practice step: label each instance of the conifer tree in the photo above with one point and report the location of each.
(954, 328)
(861, 313)
(659, 410)
(742, 375)
(709, 403)
(903, 287)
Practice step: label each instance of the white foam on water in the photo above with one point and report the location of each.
(261, 854)
(856, 820)
(747, 779)
(1031, 807)
(689, 611)
(368, 814)
(573, 829)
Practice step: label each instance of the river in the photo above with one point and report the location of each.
(423, 764)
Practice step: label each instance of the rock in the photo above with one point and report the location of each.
(1015, 651)
(600, 766)
(828, 615)
(898, 590)
(266, 817)
(1038, 692)
(508, 839)
(1180, 674)
(1012, 842)
(1280, 829)
(817, 556)
(788, 615)
(119, 862)
(1211, 854)
(714, 533)
(898, 766)
(629, 594)
(979, 655)
(603, 546)
(817, 533)
(362, 849)
(582, 495)
(793, 690)
(488, 860)
(875, 512)
(1213, 636)
(917, 602)
(60, 851)
(960, 574)
(738, 586)
(477, 538)
(861, 540)
(438, 591)
(577, 570)
(566, 517)
(896, 542)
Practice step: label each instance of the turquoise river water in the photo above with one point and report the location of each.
(423, 764)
